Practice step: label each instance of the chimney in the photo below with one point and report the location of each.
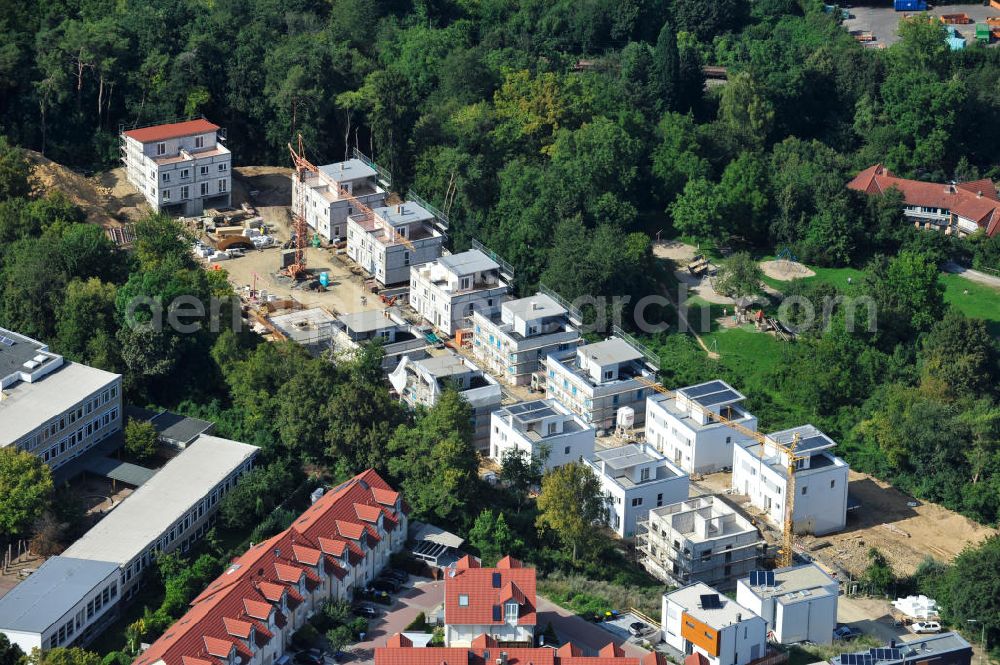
(399, 208)
(979, 194)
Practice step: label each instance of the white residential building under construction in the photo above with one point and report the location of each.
(687, 429)
(446, 292)
(600, 380)
(701, 539)
(760, 471)
(388, 240)
(514, 343)
(333, 193)
(180, 168)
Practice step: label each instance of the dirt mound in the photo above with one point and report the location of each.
(785, 270)
(82, 191)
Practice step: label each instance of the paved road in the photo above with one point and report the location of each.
(423, 596)
(571, 628)
(973, 275)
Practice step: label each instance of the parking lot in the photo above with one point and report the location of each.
(883, 21)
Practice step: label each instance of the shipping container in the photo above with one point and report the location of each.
(910, 5)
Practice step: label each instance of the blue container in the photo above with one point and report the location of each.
(324, 279)
(910, 5)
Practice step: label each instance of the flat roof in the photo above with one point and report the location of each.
(468, 262)
(448, 364)
(352, 169)
(368, 321)
(174, 130)
(175, 427)
(793, 579)
(811, 439)
(538, 306)
(50, 592)
(16, 350)
(625, 457)
(610, 351)
(727, 613)
(918, 649)
(403, 213)
(148, 513)
(28, 405)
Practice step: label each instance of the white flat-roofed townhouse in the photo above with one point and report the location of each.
(635, 479)
(514, 343)
(698, 620)
(180, 168)
(392, 238)
(250, 612)
(397, 336)
(66, 602)
(51, 407)
(681, 429)
(701, 539)
(169, 511)
(447, 292)
(421, 382)
(327, 195)
(543, 429)
(799, 603)
(760, 472)
(599, 379)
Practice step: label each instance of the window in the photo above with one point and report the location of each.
(161, 149)
(166, 177)
(608, 374)
(203, 170)
(466, 282)
(166, 195)
(659, 500)
(644, 474)
(566, 451)
(185, 173)
(510, 612)
(406, 258)
(463, 600)
(832, 483)
(225, 167)
(184, 192)
(199, 142)
(204, 189)
(223, 185)
(637, 502)
(805, 490)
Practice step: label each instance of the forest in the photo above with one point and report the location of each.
(565, 135)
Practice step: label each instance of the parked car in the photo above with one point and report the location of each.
(637, 628)
(310, 657)
(385, 584)
(845, 632)
(367, 611)
(926, 627)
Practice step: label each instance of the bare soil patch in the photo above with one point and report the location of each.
(785, 269)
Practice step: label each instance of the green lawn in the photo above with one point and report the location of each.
(836, 276)
(745, 350)
(981, 301)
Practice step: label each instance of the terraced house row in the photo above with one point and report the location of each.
(250, 612)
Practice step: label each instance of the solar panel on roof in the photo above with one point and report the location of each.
(768, 578)
(717, 398)
(6, 341)
(708, 388)
(710, 601)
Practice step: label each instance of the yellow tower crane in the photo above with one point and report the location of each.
(792, 458)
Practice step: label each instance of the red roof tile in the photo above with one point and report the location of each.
(287, 573)
(611, 650)
(334, 547)
(487, 590)
(270, 591)
(467, 561)
(306, 555)
(385, 497)
(218, 647)
(509, 562)
(174, 130)
(368, 513)
(351, 530)
(191, 660)
(399, 640)
(237, 628)
(567, 654)
(976, 200)
(257, 609)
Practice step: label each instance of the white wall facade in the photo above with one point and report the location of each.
(739, 643)
(462, 635)
(704, 447)
(563, 445)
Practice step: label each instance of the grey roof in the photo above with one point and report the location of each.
(448, 364)
(368, 321)
(130, 474)
(810, 439)
(609, 352)
(538, 306)
(403, 213)
(532, 411)
(15, 350)
(712, 393)
(625, 457)
(149, 512)
(468, 262)
(352, 169)
(920, 648)
(50, 592)
(28, 405)
(790, 579)
(184, 430)
(728, 613)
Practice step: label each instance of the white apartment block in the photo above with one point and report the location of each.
(543, 429)
(421, 382)
(701, 539)
(682, 428)
(66, 602)
(636, 479)
(326, 196)
(760, 472)
(799, 603)
(51, 407)
(515, 343)
(392, 238)
(168, 512)
(447, 292)
(180, 168)
(599, 380)
(699, 620)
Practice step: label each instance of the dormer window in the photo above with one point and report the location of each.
(510, 612)
(199, 141)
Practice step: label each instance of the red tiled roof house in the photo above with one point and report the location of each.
(180, 168)
(249, 613)
(960, 208)
(498, 602)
